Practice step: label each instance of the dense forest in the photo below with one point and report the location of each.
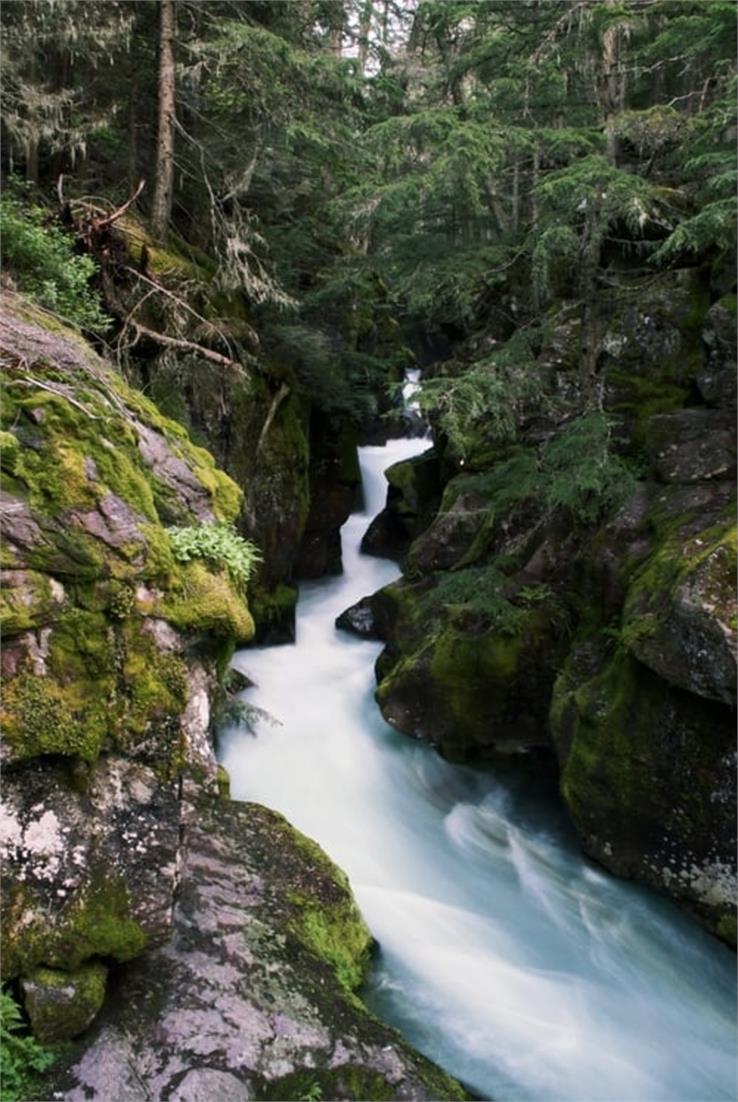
(232, 231)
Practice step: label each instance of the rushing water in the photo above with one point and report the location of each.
(506, 957)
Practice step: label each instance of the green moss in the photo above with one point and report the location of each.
(674, 558)
(325, 916)
(227, 497)
(329, 921)
(27, 605)
(61, 1004)
(349, 1081)
(204, 601)
(273, 608)
(224, 783)
(96, 923)
(728, 302)
(39, 717)
(9, 451)
(645, 397)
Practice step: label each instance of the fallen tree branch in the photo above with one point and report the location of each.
(35, 383)
(179, 301)
(187, 346)
(121, 210)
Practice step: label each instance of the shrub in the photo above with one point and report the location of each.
(218, 543)
(40, 256)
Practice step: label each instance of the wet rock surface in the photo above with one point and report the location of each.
(252, 997)
(359, 619)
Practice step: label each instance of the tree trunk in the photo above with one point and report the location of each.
(133, 175)
(589, 263)
(365, 27)
(161, 206)
(32, 161)
(516, 194)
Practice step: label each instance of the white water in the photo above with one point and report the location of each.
(508, 959)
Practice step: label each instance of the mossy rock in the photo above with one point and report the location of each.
(201, 600)
(268, 950)
(62, 1004)
(680, 606)
(646, 773)
(473, 692)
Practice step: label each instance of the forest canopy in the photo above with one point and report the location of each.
(342, 166)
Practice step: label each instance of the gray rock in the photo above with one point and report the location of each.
(240, 1003)
(692, 445)
(172, 470)
(359, 619)
(113, 522)
(718, 381)
(93, 863)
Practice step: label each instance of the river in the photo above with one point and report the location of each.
(509, 959)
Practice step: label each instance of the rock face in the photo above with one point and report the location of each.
(111, 652)
(335, 481)
(413, 495)
(610, 638)
(253, 998)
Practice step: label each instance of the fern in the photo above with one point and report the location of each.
(22, 1059)
(218, 543)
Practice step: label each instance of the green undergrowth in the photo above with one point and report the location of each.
(23, 1060)
(41, 257)
(577, 473)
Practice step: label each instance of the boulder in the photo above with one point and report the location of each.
(59, 1004)
(90, 863)
(254, 996)
(679, 601)
(413, 495)
(110, 662)
(647, 774)
(718, 380)
(359, 619)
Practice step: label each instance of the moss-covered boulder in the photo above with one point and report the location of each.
(679, 613)
(60, 1004)
(112, 649)
(647, 773)
(255, 997)
(470, 680)
(89, 862)
(413, 495)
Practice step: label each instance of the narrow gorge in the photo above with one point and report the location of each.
(368, 518)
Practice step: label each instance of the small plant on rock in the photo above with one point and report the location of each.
(220, 544)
